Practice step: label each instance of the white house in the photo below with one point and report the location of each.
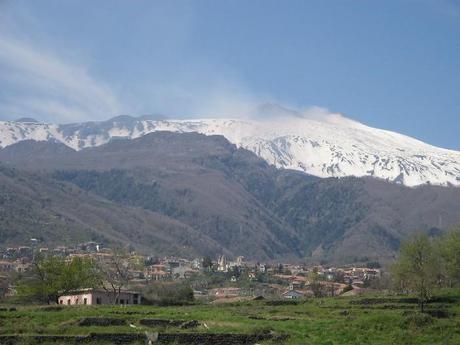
(100, 296)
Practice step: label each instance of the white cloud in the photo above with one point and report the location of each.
(39, 83)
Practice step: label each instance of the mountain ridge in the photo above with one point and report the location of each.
(319, 144)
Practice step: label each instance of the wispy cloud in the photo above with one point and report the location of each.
(43, 76)
(37, 82)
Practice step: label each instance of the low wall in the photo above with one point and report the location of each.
(127, 338)
(169, 323)
(101, 321)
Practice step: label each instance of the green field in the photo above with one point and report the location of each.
(346, 320)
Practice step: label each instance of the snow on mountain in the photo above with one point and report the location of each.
(320, 144)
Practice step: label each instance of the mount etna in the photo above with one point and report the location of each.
(130, 182)
(316, 142)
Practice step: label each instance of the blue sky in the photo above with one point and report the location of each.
(392, 64)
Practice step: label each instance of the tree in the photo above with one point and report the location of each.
(114, 274)
(317, 287)
(417, 268)
(52, 276)
(79, 273)
(449, 250)
(234, 271)
(43, 282)
(207, 263)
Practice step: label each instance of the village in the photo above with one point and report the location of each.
(215, 280)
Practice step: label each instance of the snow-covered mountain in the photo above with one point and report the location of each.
(318, 143)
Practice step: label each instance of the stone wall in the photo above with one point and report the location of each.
(127, 338)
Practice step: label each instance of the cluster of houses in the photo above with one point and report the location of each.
(287, 281)
(330, 281)
(171, 268)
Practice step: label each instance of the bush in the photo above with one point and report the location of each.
(417, 320)
(167, 293)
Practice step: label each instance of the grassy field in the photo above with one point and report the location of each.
(351, 320)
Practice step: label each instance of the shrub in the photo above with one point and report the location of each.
(417, 320)
(168, 293)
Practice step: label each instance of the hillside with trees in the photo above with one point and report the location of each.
(205, 196)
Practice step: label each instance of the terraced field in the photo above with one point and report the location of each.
(352, 320)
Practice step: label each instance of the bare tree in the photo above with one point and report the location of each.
(115, 273)
(316, 285)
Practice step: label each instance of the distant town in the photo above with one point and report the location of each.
(212, 279)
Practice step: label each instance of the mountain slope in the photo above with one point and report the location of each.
(350, 219)
(171, 174)
(58, 213)
(325, 145)
(239, 202)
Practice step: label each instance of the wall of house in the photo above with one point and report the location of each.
(100, 297)
(76, 299)
(109, 298)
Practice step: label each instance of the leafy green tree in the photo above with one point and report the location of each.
(43, 282)
(52, 276)
(449, 250)
(79, 273)
(417, 268)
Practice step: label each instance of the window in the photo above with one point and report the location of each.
(122, 301)
(98, 300)
(135, 298)
(85, 301)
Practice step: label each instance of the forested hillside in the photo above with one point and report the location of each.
(201, 195)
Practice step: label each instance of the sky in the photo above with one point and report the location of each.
(391, 64)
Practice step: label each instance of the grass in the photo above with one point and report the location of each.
(328, 321)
